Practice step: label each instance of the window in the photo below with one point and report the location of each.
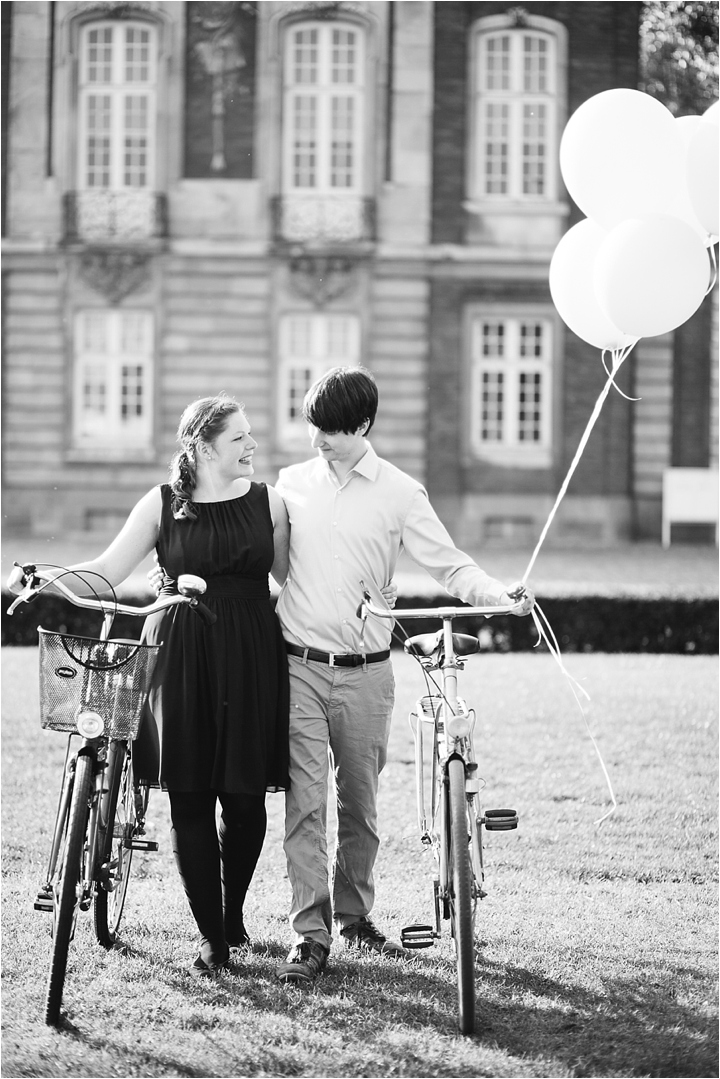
(323, 106)
(511, 359)
(113, 379)
(309, 346)
(515, 109)
(117, 99)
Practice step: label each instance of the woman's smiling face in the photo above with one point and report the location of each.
(231, 454)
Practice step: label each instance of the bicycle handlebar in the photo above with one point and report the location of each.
(366, 604)
(189, 588)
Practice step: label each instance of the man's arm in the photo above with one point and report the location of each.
(429, 543)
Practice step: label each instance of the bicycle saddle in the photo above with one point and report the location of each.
(427, 644)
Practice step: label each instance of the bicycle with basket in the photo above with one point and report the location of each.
(93, 690)
(450, 818)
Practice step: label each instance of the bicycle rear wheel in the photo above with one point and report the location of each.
(461, 898)
(67, 886)
(118, 822)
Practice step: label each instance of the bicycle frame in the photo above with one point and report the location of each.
(452, 823)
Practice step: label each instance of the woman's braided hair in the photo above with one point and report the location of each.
(202, 421)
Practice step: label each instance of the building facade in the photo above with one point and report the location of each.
(237, 196)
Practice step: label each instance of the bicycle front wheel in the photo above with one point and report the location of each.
(67, 887)
(461, 898)
(118, 820)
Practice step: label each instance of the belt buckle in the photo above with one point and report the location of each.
(331, 659)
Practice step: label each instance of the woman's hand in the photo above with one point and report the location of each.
(156, 575)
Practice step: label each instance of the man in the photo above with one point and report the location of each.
(350, 513)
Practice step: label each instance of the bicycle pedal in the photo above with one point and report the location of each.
(417, 936)
(500, 820)
(43, 903)
(140, 844)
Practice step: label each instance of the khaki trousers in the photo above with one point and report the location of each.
(339, 720)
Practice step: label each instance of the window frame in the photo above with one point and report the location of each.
(292, 432)
(119, 90)
(510, 451)
(292, 90)
(107, 437)
(515, 199)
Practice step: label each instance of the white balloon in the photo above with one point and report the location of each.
(712, 115)
(703, 176)
(682, 205)
(621, 155)
(651, 274)
(571, 287)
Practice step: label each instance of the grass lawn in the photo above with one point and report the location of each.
(596, 946)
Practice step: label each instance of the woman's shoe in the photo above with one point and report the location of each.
(201, 969)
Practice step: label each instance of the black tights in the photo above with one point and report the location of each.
(217, 864)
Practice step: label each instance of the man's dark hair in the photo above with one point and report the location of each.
(342, 400)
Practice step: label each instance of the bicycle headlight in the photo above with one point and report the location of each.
(458, 726)
(90, 724)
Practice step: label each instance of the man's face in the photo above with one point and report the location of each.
(339, 446)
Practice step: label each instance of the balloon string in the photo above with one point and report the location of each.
(546, 634)
(609, 374)
(619, 355)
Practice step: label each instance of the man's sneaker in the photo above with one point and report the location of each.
(305, 962)
(363, 934)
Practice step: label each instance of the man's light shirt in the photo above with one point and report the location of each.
(345, 534)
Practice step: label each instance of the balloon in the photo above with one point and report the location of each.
(651, 274)
(621, 156)
(703, 175)
(682, 205)
(712, 114)
(571, 287)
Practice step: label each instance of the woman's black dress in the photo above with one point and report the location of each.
(217, 716)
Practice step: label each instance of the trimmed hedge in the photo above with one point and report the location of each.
(580, 624)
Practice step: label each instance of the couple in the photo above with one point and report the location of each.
(220, 725)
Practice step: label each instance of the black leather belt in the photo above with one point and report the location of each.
(336, 659)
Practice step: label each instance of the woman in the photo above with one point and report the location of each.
(216, 726)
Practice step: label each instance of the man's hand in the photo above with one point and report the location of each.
(389, 592)
(514, 593)
(156, 576)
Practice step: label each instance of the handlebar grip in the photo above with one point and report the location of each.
(209, 617)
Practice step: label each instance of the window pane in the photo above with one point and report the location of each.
(535, 65)
(137, 55)
(534, 150)
(300, 379)
(531, 340)
(135, 156)
(131, 391)
(341, 339)
(305, 56)
(493, 339)
(497, 149)
(94, 332)
(99, 55)
(341, 152)
(491, 406)
(99, 120)
(344, 57)
(530, 406)
(304, 170)
(497, 63)
(94, 390)
(299, 336)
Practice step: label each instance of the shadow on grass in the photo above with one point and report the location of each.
(378, 1007)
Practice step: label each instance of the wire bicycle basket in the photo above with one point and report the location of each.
(80, 674)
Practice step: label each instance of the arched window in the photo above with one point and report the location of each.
(515, 106)
(117, 91)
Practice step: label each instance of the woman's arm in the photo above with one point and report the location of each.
(134, 542)
(281, 536)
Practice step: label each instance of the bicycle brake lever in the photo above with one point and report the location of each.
(209, 617)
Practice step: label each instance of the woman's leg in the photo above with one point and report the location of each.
(197, 854)
(242, 832)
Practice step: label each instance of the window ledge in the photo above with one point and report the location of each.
(111, 455)
(514, 456)
(517, 207)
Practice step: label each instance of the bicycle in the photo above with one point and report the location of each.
(453, 829)
(93, 689)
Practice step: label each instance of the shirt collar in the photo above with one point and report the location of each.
(368, 466)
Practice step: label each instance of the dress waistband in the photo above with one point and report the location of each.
(229, 586)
